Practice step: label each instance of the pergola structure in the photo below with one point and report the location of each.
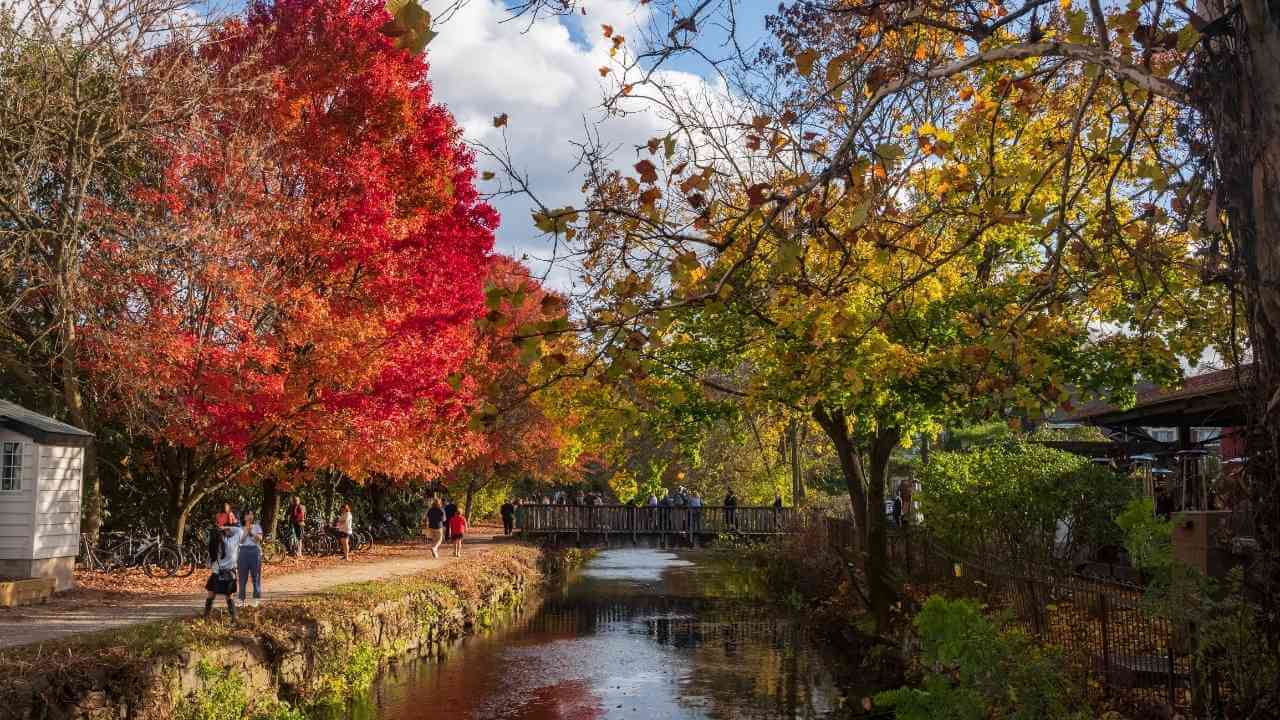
(1217, 399)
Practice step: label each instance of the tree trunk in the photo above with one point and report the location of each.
(466, 507)
(866, 492)
(880, 591)
(1238, 93)
(797, 482)
(180, 526)
(833, 423)
(330, 491)
(270, 506)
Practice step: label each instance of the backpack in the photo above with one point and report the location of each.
(215, 548)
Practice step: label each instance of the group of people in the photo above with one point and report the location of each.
(444, 522)
(235, 559)
(235, 551)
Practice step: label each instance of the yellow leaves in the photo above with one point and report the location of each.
(922, 52)
(835, 69)
(959, 48)
(966, 92)
(804, 61)
(1065, 5)
(1188, 36)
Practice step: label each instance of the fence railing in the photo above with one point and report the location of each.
(1113, 644)
(660, 520)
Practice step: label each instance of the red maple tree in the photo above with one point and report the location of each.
(321, 266)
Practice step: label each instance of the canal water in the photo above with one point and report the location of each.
(638, 634)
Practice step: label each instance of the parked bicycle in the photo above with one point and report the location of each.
(119, 551)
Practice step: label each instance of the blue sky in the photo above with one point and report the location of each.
(545, 78)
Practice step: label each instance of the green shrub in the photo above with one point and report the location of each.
(1009, 499)
(977, 671)
(1233, 649)
(221, 696)
(1147, 538)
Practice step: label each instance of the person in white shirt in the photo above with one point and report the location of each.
(249, 557)
(223, 558)
(346, 526)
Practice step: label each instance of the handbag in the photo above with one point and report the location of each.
(221, 582)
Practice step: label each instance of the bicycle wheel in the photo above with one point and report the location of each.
(162, 562)
(188, 564)
(361, 540)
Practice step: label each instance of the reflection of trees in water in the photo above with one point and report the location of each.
(746, 662)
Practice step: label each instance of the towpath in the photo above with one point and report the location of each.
(91, 611)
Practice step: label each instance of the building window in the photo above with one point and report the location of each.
(11, 467)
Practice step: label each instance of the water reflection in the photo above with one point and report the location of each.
(631, 637)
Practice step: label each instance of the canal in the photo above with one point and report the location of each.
(639, 634)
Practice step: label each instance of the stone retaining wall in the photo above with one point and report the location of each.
(281, 658)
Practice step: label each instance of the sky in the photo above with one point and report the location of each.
(545, 78)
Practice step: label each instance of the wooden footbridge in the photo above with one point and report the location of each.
(664, 523)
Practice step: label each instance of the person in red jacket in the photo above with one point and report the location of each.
(457, 528)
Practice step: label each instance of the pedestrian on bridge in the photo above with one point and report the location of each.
(695, 512)
(731, 510)
(508, 517)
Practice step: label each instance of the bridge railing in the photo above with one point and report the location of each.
(660, 520)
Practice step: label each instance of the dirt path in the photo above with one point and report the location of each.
(59, 619)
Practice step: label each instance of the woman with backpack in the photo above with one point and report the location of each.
(457, 529)
(224, 554)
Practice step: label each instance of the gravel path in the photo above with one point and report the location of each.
(40, 623)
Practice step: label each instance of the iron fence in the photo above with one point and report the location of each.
(1114, 643)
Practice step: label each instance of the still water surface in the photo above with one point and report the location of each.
(637, 634)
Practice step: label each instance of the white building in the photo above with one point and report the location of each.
(41, 474)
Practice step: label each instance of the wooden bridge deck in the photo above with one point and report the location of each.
(626, 520)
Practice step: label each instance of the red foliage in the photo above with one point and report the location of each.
(513, 434)
(324, 258)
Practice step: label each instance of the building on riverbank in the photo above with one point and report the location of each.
(41, 474)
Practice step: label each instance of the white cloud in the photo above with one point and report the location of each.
(547, 84)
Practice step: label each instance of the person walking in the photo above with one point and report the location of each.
(297, 524)
(435, 527)
(249, 557)
(508, 512)
(344, 528)
(223, 557)
(731, 510)
(777, 511)
(457, 530)
(450, 509)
